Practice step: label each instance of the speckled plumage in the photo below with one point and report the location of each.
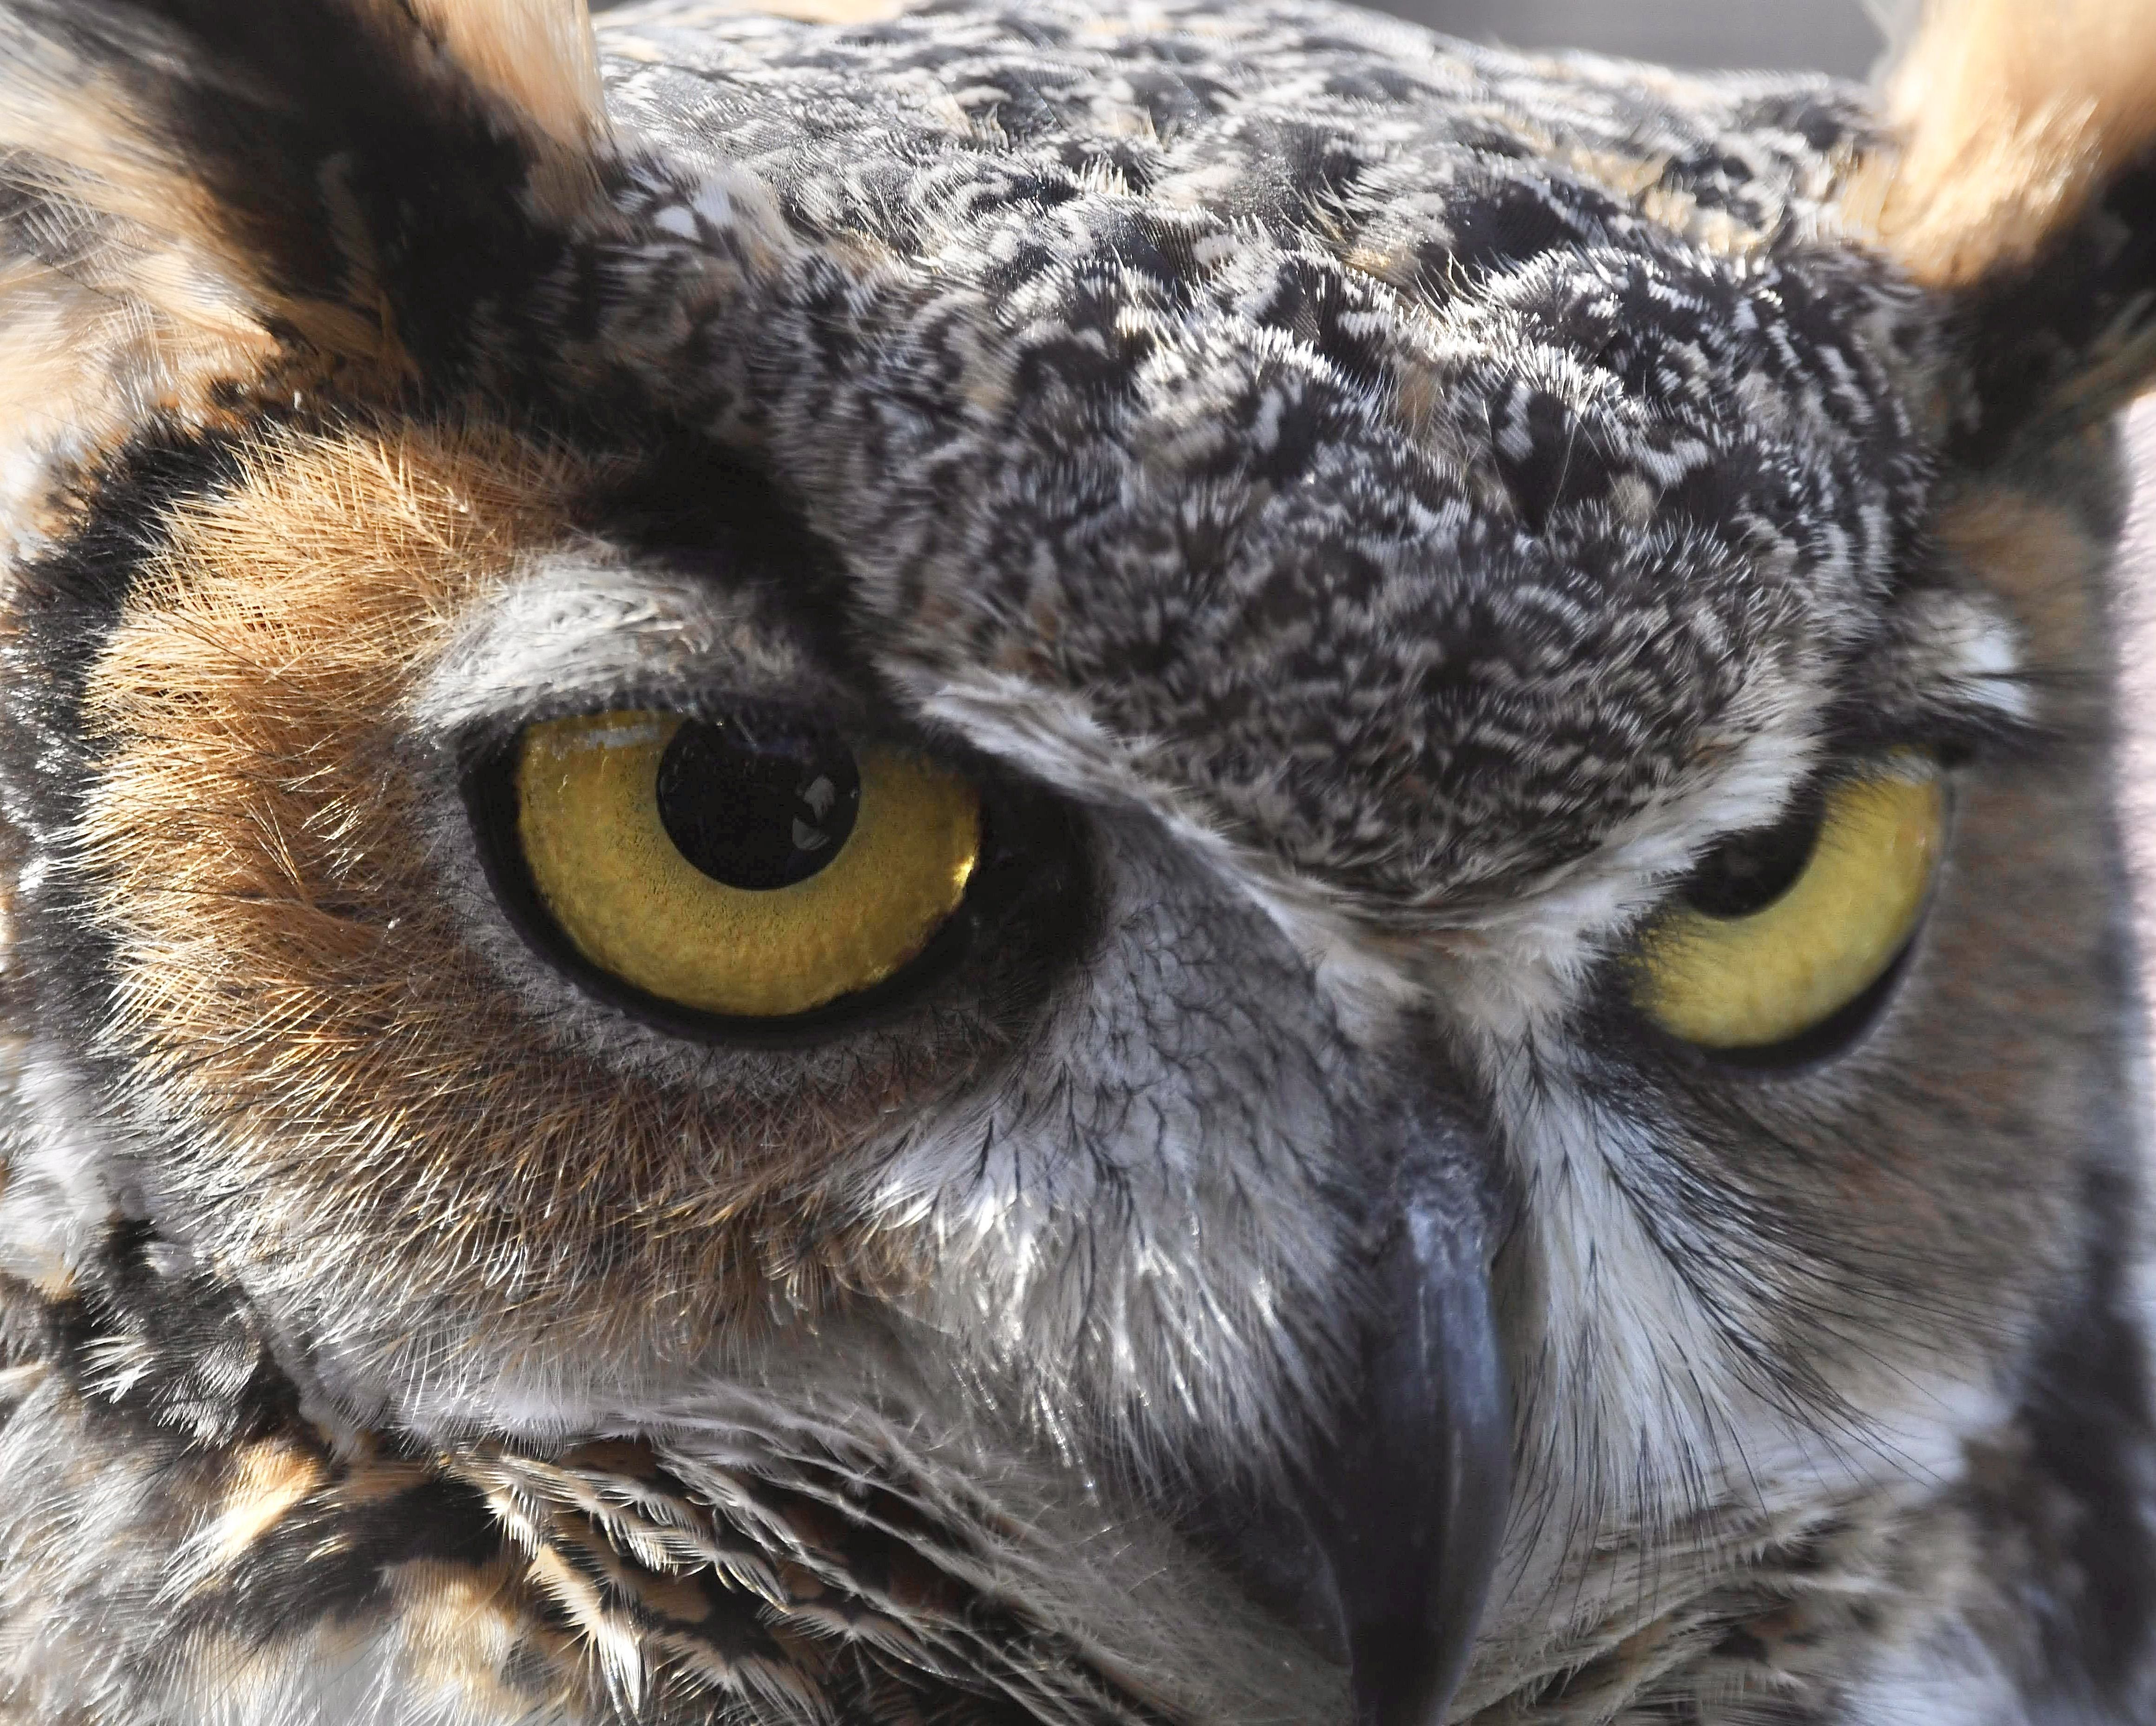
(1371, 304)
(1371, 514)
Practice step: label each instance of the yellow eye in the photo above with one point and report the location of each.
(1781, 932)
(743, 867)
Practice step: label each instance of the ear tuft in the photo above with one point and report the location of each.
(2018, 182)
(2013, 116)
(537, 58)
(197, 195)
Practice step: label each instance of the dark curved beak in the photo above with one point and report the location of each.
(1409, 1509)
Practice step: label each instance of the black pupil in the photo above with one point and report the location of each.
(1749, 872)
(758, 806)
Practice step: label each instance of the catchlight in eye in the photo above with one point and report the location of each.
(748, 866)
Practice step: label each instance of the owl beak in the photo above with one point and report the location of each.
(1413, 1508)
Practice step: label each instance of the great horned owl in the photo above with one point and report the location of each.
(1063, 861)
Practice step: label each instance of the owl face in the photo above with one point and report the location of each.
(1311, 823)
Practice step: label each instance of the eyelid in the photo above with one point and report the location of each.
(585, 630)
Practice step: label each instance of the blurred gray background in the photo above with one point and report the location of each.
(1825, 35)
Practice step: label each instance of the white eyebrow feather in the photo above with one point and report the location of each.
(589, 619)
(1517, 962)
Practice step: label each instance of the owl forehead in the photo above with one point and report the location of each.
(1423, 461)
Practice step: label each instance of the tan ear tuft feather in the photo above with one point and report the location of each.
(140, 232)
(132, 221)
(536, 56)
(2012, 113)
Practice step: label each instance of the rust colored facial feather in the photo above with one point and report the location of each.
(349, 1094)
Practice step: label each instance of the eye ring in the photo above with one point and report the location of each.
(1785, 955)
(494, 802)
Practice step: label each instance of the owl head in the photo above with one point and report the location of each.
(1314, 827)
